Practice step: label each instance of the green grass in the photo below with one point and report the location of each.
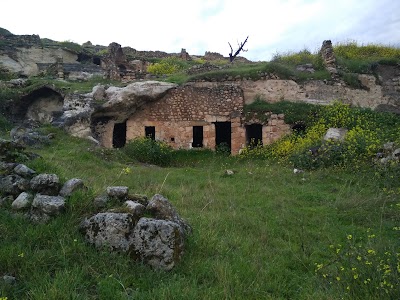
(257, 234)
(294, 111)
(34, 83)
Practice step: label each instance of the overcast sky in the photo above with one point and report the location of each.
(274, 26)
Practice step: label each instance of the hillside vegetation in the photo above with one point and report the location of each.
(350, 57)
(265, 232)
(288, 224)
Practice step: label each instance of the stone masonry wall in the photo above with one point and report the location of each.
(317, 91)
(175, 115)
(201, 104)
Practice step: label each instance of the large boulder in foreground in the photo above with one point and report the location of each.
(158, 241)
(109, 230)
(46, 184)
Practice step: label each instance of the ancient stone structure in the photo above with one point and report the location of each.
(184, 55)
(149, 231)
(201, 115)
(328, 56)
(116, 64)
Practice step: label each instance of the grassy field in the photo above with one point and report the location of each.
(263, 233)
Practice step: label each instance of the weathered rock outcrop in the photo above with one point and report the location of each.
(320, 92)
(122, 102)
(104, 104)
(25, 60)
(157, 241)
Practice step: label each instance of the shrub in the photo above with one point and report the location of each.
(5, 124)
(352, 50)
(299, 58)
(295, 112)
(71, 46)
(367, 132)
(147, 150)
(362, 264)
(166, 66)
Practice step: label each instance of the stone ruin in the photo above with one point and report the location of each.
(150, 231)
(328, 57)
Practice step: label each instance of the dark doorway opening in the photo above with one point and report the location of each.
(254, 135)
(197, 137)
(122, 70)
(119, 135)
(223, 134)
(96, 60)
(150, 132)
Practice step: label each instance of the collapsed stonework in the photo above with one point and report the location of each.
(149, 231)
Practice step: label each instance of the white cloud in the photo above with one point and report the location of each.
(207, 25)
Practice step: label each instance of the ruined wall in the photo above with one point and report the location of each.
(372, 95)
(175, 115)
(201, 104)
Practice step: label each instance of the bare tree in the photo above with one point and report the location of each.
(233, 56)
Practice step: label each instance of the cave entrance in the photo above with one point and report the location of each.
(150, 132)
(223, 132)
(119, 135)
(197, 137)
(253, 135)
(43, 105)
(96, 60)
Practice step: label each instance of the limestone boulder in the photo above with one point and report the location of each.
(25, 136)
(23, 201)
(46, 184)
(76, 115)
(160, 208)
(336, 134)
(49, 205)
(7, 168)
(101, 201)
(135, 208)
(158, 243)
(113, 231)
(24, 171)
(71, 186)
(119, 192)
(13, 185)
(98, 92)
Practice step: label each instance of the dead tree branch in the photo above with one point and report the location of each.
(233, 56)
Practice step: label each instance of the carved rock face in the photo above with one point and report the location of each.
(122, 102)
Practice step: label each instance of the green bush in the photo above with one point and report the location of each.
(295, 112)
(367, 132)
(352, 50)
(71, 46)
(147, 150)
(5, 124)
(300, 58)
(167, 66)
